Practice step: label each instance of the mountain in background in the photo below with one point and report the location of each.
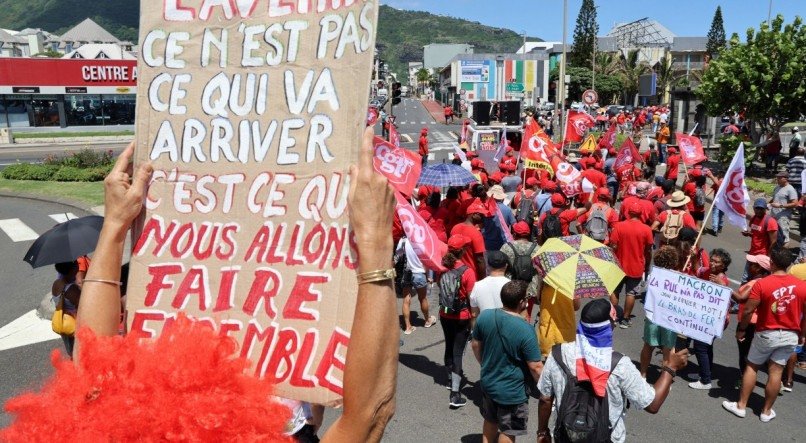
(401, 34)
(120, 17)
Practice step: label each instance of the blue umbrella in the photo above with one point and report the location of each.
(444, 175)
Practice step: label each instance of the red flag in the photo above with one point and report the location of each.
(394, 136)
(608, 139)
(690, 148)
(628, 153)
(576, 126)
(537, 149)
(568, 177)
(372, 116)
(401, 166)
(422, 237)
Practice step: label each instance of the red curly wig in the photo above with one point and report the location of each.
(187, 385)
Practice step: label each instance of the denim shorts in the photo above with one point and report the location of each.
(774, 345)
(416, 280)
(511, 419)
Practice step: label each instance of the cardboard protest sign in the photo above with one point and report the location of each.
(251, 112)
(690, 306)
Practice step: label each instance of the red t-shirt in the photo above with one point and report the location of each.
(672, 167)
(688, 220)
(655, 194)
(516, 200)
(648, 213)
(759, 234)
(468, 282)
(597, 178)
(476, 246)
(690, 189)
(423, 145)
(452, 207)
(436, 220)
(566, 218)
(630, 239)
(781, 302)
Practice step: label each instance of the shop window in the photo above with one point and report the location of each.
(119, 109)
(14, 111)
(83, 110)
(45, 111)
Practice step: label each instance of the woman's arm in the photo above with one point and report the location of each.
(100, 302)
(373, 349)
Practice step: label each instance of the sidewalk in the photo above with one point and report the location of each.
(435, 109)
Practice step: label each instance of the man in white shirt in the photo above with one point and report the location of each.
(486, 293)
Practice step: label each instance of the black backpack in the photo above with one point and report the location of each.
(551, 227)
(449, 283)
(521, 267)
(526, 210)
(582, 417)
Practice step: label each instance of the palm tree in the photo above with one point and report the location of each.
(631, 69)
(666, 78)
(422, 78)
(607, 63)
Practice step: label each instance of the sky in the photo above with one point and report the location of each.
(543, 18)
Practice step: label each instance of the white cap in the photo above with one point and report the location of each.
(795, 129)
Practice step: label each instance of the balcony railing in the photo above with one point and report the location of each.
(683, 65)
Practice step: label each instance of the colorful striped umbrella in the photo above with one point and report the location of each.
(579, 265)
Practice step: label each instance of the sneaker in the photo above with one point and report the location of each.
(765, 417)
(699, 385)
(457, 401)
(431, 321)
(625, 323)
(731, 407)
(410, 330)
(786, 387)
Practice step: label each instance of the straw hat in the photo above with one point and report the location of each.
(678, 199)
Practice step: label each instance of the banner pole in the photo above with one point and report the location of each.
(699, 234)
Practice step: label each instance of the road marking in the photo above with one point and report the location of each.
(61, 218)
(406, 138)
(17, 230)
(431, 157)
(441, 137)
(454, 135)
(445, 146)
(26, 330)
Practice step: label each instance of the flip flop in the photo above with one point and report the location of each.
(409, 331)
(431, 321)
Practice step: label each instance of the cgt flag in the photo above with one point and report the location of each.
(537, 149)
(400, 166)
(732, 197)
(577, 125)
(608, 139)
(690, 148)
(422, 237)
(628, 153)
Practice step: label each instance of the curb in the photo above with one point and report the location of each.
(84, 207)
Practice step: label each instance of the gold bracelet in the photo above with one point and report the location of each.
(376, 276)
(99, 280)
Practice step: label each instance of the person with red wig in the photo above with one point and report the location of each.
(189, 384)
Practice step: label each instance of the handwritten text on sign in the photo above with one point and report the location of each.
(690, 306)
(251, 112)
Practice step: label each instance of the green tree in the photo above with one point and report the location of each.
(608, 86)
(630, 70)
(422, 78)
(763, 77)
(716, 36)
(584, 36)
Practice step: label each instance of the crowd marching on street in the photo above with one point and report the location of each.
(505, 229)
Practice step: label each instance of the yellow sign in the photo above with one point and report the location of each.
(588, 146)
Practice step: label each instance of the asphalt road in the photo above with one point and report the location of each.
(35, 153)
(411, 117)
(422, 402)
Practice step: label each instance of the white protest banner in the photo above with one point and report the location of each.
(251, 112)
(690, 306)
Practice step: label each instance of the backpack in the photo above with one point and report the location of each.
(526, 210)
(653, 159)
(794, 144)
(551, 227)
(521, 267)
(597, 224)
(672, 226)
(581, 415)
(699, 197)
(449, 301)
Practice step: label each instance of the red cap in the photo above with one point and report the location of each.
(510, 149)
(671, 150)
(477, 208)
(531, 181)
(458, 241)
(611, 152)
(521, 228)
(475, 163)
(558, 199)
(423, 192)
(472, 154)
(497, 176)
(695, 172)
(548, 185)
(603, 193)
(634, 208)
(481, 164)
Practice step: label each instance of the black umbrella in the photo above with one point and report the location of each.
(65, 242)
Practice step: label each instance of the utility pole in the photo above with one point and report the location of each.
(561, 89)
(523, 68)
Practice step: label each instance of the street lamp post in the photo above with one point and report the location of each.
(561, 88)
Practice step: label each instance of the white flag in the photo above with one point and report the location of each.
(459, 152)
(732, 197)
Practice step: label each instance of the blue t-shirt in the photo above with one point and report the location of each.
(504, 355)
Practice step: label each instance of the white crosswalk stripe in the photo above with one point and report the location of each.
(61, 218)
(17, 231)
(442, 137)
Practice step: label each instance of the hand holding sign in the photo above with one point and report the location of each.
(124, 195)
(369, 191)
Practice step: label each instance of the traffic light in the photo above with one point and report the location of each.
(396, 93)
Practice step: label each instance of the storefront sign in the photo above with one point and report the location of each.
(474, 71)
(52, 76)
(251, 121)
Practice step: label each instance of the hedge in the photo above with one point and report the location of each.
(40, 172)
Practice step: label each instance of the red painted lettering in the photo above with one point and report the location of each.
(226, 289)
(265, 287)
(158, 274)
(303, 292)
(197, 283)
(332, 359)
